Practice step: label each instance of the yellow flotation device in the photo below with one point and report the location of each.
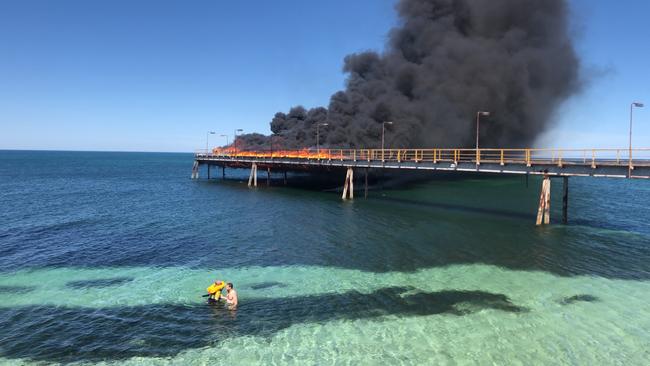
(215, 289)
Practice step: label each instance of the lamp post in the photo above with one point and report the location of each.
(478, 122)
(318, 137)
(235, 138)
(383, 133)
(207, 138)
(629, 165)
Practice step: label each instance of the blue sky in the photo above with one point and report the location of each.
(156, 75)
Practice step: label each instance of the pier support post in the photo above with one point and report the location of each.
(252, 179)
(351, 183)
(285, 177)
(268, 176)
(348, 186)
(565, 202)
(544, 209)
(223, 172)
(365, 187)
(195, 170)
(209, 171)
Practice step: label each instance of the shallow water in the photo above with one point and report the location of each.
(104, 257)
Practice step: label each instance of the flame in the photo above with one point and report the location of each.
(298, 154)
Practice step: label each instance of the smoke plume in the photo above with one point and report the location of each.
(446, 60)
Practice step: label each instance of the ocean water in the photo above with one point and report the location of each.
(104, 258)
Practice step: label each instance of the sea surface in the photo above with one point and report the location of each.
(104, 258)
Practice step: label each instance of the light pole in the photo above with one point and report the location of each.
(383, 133)
(318, 137)
(629, 165)
(207, 137)
(478, 121)
(226, 136)
(235, 138)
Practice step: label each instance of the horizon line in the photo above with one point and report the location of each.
(81, 150)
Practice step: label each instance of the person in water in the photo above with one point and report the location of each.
(231, 298)
(214, 291)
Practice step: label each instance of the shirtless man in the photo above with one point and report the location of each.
(231, 298)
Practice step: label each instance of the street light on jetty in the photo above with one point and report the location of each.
(235, 139)
(478, 122)
(629, 165)
(383, 133)
(318, 137)
(207, 138)
(226, 136)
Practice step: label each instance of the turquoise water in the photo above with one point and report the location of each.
(104, 257)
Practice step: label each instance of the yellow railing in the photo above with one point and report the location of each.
(559, 157)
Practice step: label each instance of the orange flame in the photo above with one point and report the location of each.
(298, 154)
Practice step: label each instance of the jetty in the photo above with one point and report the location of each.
(548, 163)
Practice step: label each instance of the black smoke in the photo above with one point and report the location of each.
(446, 60)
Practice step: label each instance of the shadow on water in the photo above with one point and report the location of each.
(578, 298)
(265, 285)
(60, 334)
(16, 289)
(103, 282)
(460, 208)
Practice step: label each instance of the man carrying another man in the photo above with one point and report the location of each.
(214, 293)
